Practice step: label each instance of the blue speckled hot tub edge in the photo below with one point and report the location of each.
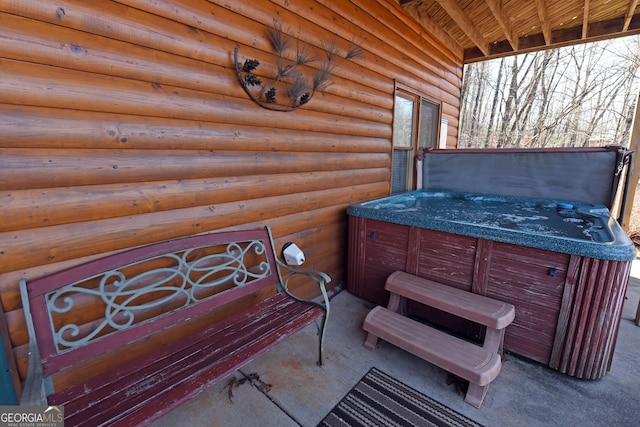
(620, 248)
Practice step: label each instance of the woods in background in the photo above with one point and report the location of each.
(578, 96)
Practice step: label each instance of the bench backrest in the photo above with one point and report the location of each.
(81, 312)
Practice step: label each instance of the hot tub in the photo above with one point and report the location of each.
(563, 264)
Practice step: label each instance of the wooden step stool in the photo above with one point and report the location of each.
(478, 365)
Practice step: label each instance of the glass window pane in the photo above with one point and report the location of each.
(399, 170)
(429, 121)
(403, 122)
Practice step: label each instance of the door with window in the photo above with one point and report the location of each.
(416, 122)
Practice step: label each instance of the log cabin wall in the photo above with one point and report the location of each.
(123, 123)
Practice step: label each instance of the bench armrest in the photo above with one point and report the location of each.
(321, 279)
(318, 277)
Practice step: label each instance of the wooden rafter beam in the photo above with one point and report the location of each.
(545, 22)
(627, 17)
(585, 19)
(503, 21)
(476, 17)
(453, 9)
(562, 37)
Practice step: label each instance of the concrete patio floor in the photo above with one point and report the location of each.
(524, 394)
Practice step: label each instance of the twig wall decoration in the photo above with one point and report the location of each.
(289, 78)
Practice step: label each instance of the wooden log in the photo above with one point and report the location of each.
(32, 208)
(42, 11)
(120, 22)
(52, 87)
(334, 24)
(16, 326)
(433, 36)
(38, 168)
(434, 57)
(11, 368)
(167, 35)
(34, 127)
(76, 50)
(29, 248)
(450, 106)
(224, 21)
(389, 61)
(89, 11)
(318, 242)
(44, 43)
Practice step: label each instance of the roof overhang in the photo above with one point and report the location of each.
(487, 29)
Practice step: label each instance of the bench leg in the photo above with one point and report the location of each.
(321, 333)
(475, 394)
(370, 342)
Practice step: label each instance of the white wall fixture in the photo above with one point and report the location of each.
(292, 254)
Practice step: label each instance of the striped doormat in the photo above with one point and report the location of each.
(380, 400)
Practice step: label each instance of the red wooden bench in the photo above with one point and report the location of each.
(479, 365)
(157, 317)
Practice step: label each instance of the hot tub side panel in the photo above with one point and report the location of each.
(590, 317)
(568, 307)
(533, 281)
(376, 249)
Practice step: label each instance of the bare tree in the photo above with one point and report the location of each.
(548, 86)
(575, 96)
(497, 95)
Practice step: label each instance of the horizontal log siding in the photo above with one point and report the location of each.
(122, 123)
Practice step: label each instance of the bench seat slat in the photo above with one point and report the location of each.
(454, 355)
(202, 359)
(477, 308)
(225, 332)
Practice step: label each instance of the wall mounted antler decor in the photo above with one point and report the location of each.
(289, 78)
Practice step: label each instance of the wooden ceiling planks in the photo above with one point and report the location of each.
(485, 29)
